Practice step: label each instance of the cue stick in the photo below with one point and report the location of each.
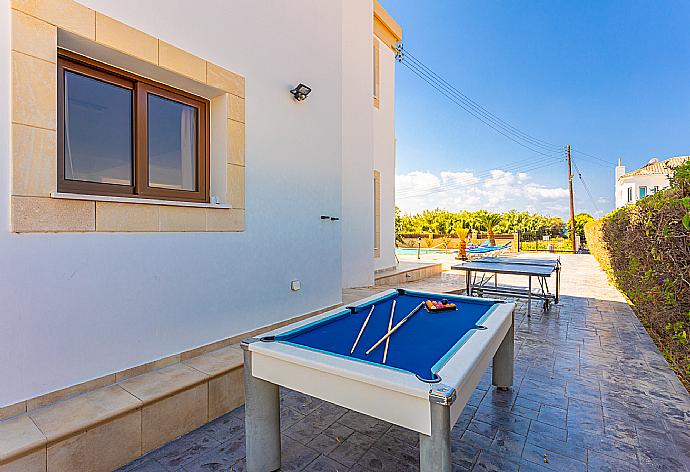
(390, 324)
(361, 330)
(396, 327)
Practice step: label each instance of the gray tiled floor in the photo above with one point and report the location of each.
(591, 393)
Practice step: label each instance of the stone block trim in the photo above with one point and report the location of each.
(215, 360)
(35, 25)
(20, 436)
(124, 38)
(410, 275)
(225, 388)
(68, 15)
(138, 414)
(67, 418)
(212, 366)
(44, 214)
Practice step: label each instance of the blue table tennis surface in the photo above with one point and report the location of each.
(421, 346)
(516, 266)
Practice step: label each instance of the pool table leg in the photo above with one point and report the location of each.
(262, 420)
(502, 372)
(434, 450)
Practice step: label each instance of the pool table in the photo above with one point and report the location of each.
(434, 361)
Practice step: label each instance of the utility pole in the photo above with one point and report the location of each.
(572, 206)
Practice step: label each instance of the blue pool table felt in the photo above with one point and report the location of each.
(421, 346)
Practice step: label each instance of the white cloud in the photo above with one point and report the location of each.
(535, 192)
(500, 191)
(459, 178)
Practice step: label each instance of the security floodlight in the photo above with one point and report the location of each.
(300, 92)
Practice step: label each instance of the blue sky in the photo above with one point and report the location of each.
(612, 78)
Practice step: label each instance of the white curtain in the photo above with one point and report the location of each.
(187, 145)
(69, 166)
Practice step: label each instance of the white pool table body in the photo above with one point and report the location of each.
(388, 394)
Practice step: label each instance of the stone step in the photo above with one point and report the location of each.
(108, 427)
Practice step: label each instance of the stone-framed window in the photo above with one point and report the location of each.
(39, 28)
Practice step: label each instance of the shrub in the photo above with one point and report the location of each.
(645, 249)
(596, 245)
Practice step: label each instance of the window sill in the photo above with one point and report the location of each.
(144, 201)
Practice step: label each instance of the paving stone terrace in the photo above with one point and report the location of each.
(592, 392)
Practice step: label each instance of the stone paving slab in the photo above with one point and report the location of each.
(592, 393)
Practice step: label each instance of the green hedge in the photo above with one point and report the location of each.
(645, 249)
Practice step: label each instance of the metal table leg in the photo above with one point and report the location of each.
(262, 419)
(434, 450)
(502, 372)
(468, 283)
(529, 296)
(558, 283)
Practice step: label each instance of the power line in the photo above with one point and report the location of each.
(552, 153)
(403, 56)
(443, 90)
(425, 72)
(594, 157)
(605, 164)
(584, 184)
(480, 109)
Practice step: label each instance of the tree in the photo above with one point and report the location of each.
(399, 227)
(581, 219)
(556, 224)
(462, 233)
(489, 221)
(444, 222)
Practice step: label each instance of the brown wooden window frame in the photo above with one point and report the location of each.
(141, 88)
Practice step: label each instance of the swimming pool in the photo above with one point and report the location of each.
(413, 250)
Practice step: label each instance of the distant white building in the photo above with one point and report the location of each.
(647, 180)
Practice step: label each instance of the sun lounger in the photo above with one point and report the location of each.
(488, 250)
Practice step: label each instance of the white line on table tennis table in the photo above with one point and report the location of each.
(537, 262)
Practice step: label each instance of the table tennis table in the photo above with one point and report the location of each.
(490, 267)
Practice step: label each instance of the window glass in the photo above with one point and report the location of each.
(630, 194)
(97, 131)
(643, 192)
(123, 135)
(171, 144)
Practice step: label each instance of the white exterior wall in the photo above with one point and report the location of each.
(384, 154)
(75, 306)
(620, 196)
(358, 141)
(635, 182)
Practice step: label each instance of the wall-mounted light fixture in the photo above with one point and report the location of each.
(300, 92)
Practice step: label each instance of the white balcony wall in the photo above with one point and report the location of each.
(76, 306)
(384, 155)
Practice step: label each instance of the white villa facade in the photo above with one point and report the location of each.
(647, 180)
(164, 192)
